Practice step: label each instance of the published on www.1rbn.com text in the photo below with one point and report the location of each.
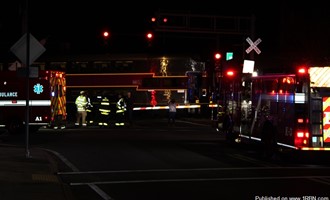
(291, 198)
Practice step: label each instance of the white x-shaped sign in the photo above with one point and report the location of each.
(253, 45)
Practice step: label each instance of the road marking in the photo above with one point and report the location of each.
(198, 180)
(195, 123)
(186, 170)
(251, 160)
(75, 169)
(321, 180)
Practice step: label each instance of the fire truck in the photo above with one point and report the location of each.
(287, 111)
(45, 92)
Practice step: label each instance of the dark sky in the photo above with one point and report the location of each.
(291, 32)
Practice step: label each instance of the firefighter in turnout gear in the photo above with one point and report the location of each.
(90, 112)
(120, 111)
(81, 103)
(104, 112)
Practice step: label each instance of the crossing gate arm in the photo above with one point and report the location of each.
(165, 107)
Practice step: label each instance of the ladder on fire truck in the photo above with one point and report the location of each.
(316, 117)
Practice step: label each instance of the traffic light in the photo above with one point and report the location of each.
(153, 19)
(149, 37)
(165, 20)
(106, 34)
(217, 56)
(230, 73)
(106, 38)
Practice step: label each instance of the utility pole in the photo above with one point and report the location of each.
(27, 117)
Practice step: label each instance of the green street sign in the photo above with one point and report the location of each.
(229, 55)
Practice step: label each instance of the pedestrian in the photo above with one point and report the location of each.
(120, 111)
(81, 104)
(228, 127)
(129, 108)
(171, 112)
(204, 103)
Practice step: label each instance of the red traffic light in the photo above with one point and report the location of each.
(230, 73)
(149, 36)
(217, 56)
(106, 34)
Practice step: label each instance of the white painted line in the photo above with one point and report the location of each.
(75, 169)
(193, 169)
(199, 180)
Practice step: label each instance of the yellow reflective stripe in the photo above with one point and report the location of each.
(104, 110)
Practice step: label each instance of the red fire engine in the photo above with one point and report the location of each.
(46, 99)
(289, 111)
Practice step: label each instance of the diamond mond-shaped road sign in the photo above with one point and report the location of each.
(19, 49)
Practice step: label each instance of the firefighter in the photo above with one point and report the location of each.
(89, 109)
(81, 103)
(104, 112)
(120, 111)
(129, 108)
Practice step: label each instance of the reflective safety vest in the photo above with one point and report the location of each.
(81, 103)
(89, 105)
(119, 124)
(121, 106)
(105, 106)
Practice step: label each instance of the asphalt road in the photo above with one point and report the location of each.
(187, 161)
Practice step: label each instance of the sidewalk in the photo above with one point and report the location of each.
(30, 178)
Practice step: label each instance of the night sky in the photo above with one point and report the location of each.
(292, 33)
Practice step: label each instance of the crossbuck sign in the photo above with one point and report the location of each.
(253, 45)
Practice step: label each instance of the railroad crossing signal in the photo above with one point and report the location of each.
(253, 45)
